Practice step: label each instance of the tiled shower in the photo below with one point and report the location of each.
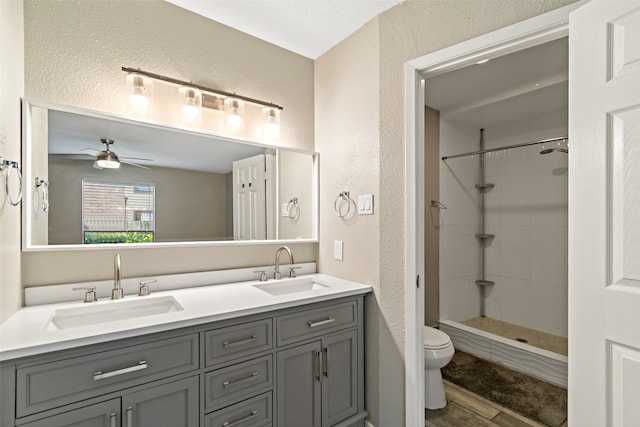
(526, 210)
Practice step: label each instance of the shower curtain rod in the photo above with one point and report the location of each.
(507, 147)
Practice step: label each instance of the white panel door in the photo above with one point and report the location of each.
(604, 214)
(249, 199)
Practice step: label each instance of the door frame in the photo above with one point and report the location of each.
(531, 32)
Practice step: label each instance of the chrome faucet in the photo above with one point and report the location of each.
(276, 274)
(117, 292)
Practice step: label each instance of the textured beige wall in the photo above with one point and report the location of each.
(347, 138)
(375, 247)
(11, 89)
(74, 50)
(296, 180)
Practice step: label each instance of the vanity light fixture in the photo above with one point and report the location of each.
(140, 92)
(271, 125)
(191, 102)
(235, 114)
(195, 97)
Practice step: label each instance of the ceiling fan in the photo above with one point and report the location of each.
(107, 159)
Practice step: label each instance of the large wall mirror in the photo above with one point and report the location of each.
(94, 179)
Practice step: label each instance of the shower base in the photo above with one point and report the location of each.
(547, 364)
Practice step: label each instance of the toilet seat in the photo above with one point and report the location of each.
(434, 339)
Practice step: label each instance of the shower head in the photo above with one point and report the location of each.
(551, 150)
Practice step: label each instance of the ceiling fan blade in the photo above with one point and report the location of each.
(134, 164)
(92, 149)
(136, 158)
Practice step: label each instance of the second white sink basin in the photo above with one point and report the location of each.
(90, 314)
(289, 287)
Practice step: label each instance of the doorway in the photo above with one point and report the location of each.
(533, 32)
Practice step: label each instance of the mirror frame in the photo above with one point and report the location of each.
(28, 182)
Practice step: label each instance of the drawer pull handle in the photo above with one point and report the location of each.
(129, 416)
(251, 377)
(241, 342)
(241, 420)
(112, 420)
(321, 322)
(102, 375)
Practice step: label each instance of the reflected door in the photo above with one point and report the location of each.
(249, 199)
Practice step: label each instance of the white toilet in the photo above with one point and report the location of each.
(438, 351)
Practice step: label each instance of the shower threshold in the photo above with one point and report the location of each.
(519, 333)
(541, 363)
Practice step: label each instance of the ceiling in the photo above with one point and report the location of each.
(71, 134)
(307, 27)
(511, 87)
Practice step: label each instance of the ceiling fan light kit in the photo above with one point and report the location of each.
(108, 159)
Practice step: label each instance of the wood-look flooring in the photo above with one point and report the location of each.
(465, 409)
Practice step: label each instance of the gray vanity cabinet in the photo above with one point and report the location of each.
(317, 382)
(104, 414)
(298, 386)
(295, 367)
(172, 404)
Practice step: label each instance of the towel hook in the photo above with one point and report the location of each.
(10, 165)
(437, 204)
(293, 208)
(44, 183)
(337, 204)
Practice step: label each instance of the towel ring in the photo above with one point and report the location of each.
(294, 207)
(11, 165)
(342, 197)
(44, 183)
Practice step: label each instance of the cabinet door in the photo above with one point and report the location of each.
(174, 404)
(339, 377)
(298, 386)
(105, 414)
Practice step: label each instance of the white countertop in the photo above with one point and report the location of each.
(29, 332)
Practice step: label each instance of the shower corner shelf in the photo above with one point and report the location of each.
(485, 188)
(485, 283)
(485, 236)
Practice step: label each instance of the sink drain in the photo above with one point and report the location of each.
(522, 340)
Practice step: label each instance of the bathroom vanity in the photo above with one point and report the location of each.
(286, 354)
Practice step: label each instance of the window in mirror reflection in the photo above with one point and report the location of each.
(117, 213)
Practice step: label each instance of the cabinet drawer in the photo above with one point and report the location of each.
(230, 343)
(254, 412)
(226, 385)
(315, 322)
(60, 382)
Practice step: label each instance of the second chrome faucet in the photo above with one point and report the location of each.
(117, 292)
(292, 270)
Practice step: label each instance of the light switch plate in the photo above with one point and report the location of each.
(285, 209)
(365, 204)
(337, 250)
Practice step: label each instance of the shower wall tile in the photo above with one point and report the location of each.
(465, 296)
(515, 251)
(549, 255)
(549, 302)
(493, 301)
(516, 297)
(467, 255)
(515, 208)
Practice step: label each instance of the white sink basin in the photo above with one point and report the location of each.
(91, 314)
(286, 287)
